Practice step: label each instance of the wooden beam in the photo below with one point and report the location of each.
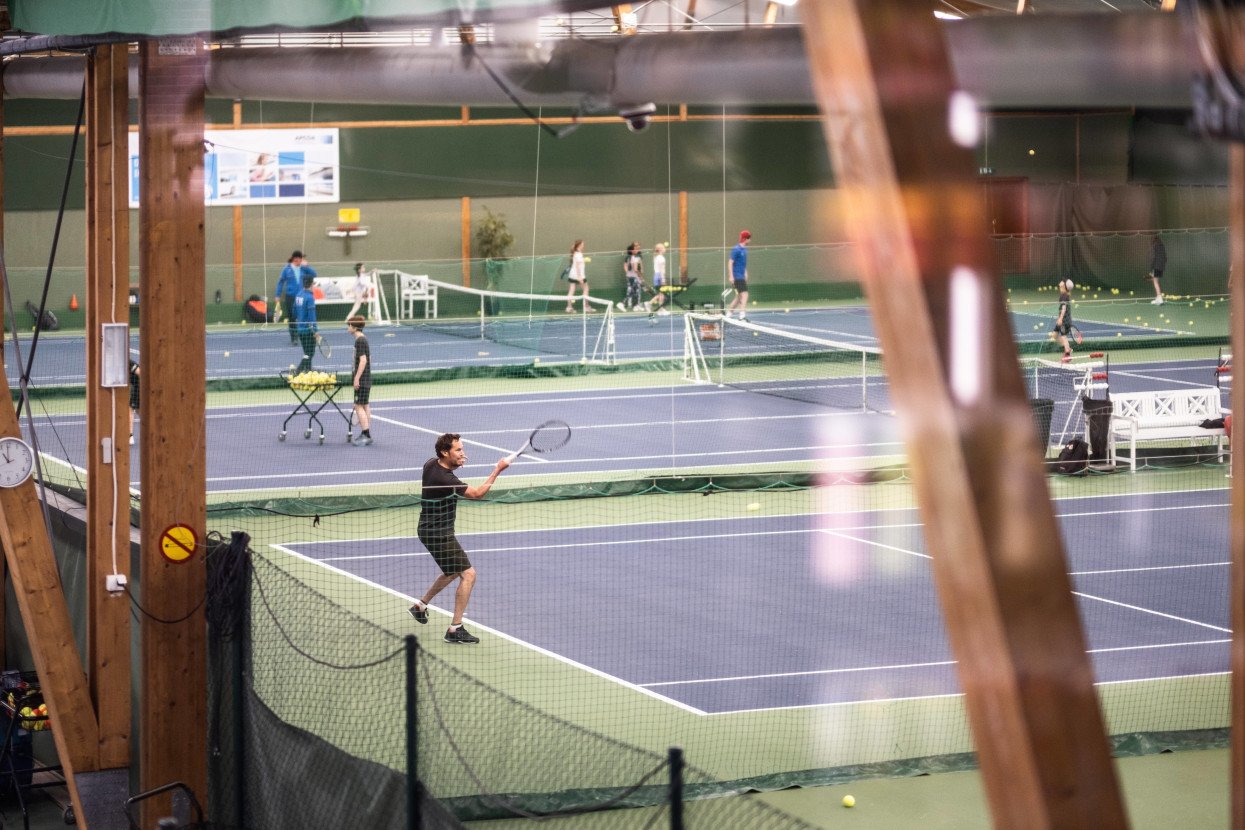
(108, 430)
(237, 223)
(465, 232)
(624, 19)
(1236, 290)
(173, 701)
(4, 328)
(884, 85)
(45, 615)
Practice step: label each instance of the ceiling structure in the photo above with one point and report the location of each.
(1057, 54)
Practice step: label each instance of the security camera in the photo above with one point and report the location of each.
(637, 116)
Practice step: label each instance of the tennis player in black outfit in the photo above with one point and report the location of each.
(439, 508)
(361, 379)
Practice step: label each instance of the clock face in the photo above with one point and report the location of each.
(16, 461)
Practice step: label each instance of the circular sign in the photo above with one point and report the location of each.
(177, 543)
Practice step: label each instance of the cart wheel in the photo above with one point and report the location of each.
(322, 438)
(307, 434)
(281, 435)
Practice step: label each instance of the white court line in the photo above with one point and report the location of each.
(1139, 609)
(1150, 568)
(502, 635)
(899, 666)
(875, 544)
(472, 442)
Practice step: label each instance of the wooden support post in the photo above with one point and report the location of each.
(107, 419)
(4, 329)
(465, 232)
(624, 19)
(37, 586)
(1236, 290)
(173, 700)
(884, 85)
(683, 236)
(237, 224)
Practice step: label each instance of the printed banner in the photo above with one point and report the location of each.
(263, 167)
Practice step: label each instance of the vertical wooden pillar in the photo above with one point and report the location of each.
(465, 232)
(108, 451)
(884, 85)
(173, 705)
(4, 330)
(1236, 229)
(237, 223)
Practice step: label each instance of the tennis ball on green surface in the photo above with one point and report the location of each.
(754, 506)
(1190, 322)
(587, 259)
(850, 800)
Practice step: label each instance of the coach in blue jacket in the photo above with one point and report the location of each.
(288, 286)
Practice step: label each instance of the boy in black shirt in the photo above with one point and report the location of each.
(362, 380)
(439, 508)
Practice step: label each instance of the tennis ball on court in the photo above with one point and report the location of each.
(786, 311)
(754, 506)
(536, 360)
(587, 259)
(1031, 152)
(850, 800)
(1190, 322)
(1119, 334)
(226, 354)
(482, 354)
(756, 334)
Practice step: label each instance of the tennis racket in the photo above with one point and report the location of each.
(1076, 335)
(325, 347)
(549, 436)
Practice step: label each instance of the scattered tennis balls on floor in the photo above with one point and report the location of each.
(849, 801)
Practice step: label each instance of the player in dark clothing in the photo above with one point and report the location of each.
(305, 322)
(1158, 263)
(1063, 322)
(361, 380)
(439, 508)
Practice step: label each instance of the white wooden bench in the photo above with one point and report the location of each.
(1164, 416)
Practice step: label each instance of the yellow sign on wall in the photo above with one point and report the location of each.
(348, 216)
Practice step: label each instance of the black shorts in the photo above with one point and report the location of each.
(134, 396)
(741, 286)
(1065, 329)
(362, 394)
(447, 553)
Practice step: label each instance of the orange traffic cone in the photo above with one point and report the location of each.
(73, 302)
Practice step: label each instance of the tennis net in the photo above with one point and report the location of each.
(1067, 385)
(782, 363)
(534, 322)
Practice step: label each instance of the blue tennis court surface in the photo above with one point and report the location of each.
(266, 350)
(790, 611)
(647, 430)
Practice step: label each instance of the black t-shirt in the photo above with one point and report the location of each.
(439, 500)
(1065, 306)
(361, 350)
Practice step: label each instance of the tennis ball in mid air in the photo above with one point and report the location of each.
(754, 506)
(850, 800)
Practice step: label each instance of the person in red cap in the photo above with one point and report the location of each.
(739, 275)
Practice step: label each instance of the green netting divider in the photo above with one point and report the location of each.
(705, 484)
